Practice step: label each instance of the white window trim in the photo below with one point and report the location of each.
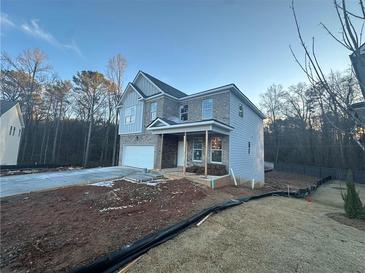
(187, 112)
(211, 109)
(198, 161)
(153, 113)
(131, 117)
(211, 151)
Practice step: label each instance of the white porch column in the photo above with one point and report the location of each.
(185, 152)
(161, 149)
(206, 154)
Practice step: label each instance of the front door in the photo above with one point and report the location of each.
(180, 153)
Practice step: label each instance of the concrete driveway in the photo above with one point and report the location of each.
(17, 184)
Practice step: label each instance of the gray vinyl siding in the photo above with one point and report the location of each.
(131, 99)
(146, 86)
(248, 128)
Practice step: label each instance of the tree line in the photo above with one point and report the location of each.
(304, 127)
(67, 122)
(316, 123)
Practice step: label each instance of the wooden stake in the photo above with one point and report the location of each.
(125, 269)
(204, 219)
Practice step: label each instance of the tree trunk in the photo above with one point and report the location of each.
(56, 136)
(88, 140)
(46, 149)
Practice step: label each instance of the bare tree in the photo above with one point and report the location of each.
(115, 72)
(351, 40)
(90, 90)
(272, 102)
(62, 90)
(27, 73)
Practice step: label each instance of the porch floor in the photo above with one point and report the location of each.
(177, 173)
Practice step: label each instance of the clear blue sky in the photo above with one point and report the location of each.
(192, 45)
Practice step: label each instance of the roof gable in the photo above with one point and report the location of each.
(165, 88)
(6, 105)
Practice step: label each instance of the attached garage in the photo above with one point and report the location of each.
(138, 156)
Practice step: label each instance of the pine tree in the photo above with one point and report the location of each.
(353, 205)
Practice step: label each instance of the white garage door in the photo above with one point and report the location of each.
(138, 156)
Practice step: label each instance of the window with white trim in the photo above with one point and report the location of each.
(216, 150)
(207, 109)
(240, 111)
(14, 130)
(197, 149)
(184, 112)
(153, 111)
(130, 115)
(11, 129)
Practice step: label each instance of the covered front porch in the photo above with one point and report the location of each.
(202, 144)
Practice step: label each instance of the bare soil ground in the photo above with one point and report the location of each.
(58, 230)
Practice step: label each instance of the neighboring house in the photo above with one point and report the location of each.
(158, 121)
(11, 127)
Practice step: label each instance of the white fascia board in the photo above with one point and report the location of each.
(186, 126)
(20, 115)
(207, 92)
(169, 130)
(158, 120)
(125, 92)
(249, 103)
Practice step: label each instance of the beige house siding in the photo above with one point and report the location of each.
(9, 143)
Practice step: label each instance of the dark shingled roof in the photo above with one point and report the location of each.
(6, 105)
(165, 87)
(137, 88)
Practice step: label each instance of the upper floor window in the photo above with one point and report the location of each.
(153, 111)
(14, 130)
(20, 131)
(240, 111)
(11, 129)
(184, 112)
(197, 149)
(216, 150)
(130, 115)
(207, 109)
(249, 148)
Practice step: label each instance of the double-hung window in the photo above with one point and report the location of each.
(130, 115)
(207, 109)
(153, 111)
(216, 150)
(197, 149)
(184, 112)
(240, 111)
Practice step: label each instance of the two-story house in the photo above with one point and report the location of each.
(11, 127)
(162, 127)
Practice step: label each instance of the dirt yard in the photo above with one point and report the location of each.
(274, 234)
(58, 230)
